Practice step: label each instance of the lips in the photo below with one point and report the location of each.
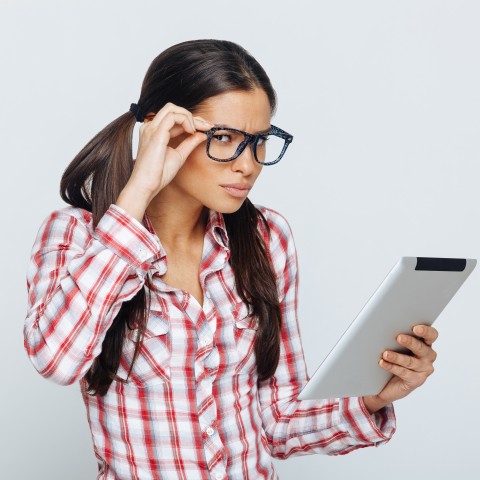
(238, 186)
(239, 190)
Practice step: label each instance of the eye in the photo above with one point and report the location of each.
(262, 140)
(222, 138)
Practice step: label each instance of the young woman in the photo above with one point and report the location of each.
(171, 298)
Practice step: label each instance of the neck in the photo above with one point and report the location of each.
(177, 221)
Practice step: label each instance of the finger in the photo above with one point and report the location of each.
(428, 333)
(418, 347)
(170, 108)
(415, 345)
(178, 130)
(172, 121)
(201, 122)
(409, 376)
(186, 147)
(406, 374)
(407, 361)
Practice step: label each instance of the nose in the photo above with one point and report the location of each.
(245, 163)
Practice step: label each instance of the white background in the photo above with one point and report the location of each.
(383, 99)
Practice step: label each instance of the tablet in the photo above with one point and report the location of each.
(415, 291)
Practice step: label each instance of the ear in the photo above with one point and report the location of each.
(148, 117)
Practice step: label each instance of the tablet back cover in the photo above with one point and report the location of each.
(415, 291)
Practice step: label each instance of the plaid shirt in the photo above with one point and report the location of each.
(192, 408)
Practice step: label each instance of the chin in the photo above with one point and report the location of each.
(227, 207)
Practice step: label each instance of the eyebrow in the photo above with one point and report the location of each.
(222, 125)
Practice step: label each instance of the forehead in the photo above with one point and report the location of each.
(245, 110)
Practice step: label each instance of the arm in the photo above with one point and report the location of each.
(333, 426)
(77, 281)
(78, 278)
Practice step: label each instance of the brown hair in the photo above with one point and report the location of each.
(184, 74)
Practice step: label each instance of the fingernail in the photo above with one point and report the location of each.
(418, 330)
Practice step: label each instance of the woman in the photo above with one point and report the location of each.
(172, 298)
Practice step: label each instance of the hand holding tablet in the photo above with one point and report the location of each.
(410, 370)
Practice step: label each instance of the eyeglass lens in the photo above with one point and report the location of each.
(225, 143)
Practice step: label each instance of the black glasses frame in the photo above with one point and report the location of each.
(250, 138)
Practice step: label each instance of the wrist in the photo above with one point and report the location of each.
(133, 200)
(373, 403)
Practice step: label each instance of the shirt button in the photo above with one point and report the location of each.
(219, 476)
(210, 431)
(205, 342)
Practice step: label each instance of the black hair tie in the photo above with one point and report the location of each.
(137, 111)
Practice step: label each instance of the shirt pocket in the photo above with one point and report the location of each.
(245, 331)
(152, 365)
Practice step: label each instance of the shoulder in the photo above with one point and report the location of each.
(69, 212)
(67, 224)
(71, 215)
(278, 236)
(281, 248)
(280, 230)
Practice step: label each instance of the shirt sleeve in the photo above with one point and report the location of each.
(77, 280)
(298, 427)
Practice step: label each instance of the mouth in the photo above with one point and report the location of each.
(238, 190)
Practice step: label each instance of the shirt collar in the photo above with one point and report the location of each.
(215, 227)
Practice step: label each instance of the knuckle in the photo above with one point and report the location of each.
(420, 344)
(420, 381)
(410, 362)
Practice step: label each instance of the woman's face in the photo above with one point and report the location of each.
(203, 180)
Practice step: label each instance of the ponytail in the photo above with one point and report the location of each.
(100, 171)
(93, 181)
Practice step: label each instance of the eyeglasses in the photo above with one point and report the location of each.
(226, 144)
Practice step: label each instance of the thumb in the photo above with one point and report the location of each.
(186, 147)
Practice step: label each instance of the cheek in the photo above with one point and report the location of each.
(198, 171)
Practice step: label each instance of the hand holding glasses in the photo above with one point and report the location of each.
(226, 144)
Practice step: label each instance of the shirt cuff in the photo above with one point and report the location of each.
(367, 428)
(128, 238)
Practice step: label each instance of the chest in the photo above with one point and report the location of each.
(186, 342)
